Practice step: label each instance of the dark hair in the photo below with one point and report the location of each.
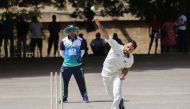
(34, 19)
(133, 43)
(53, 16)
(98, 35)
(115, 35)
(81, 35)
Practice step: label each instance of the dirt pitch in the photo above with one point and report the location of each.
(154, 82)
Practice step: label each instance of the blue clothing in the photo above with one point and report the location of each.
(79, 77)
(72, 51)
(98, 46)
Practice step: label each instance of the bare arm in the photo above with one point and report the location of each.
(101, 28)
(124, 73)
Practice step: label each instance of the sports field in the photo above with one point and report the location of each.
(154, 82)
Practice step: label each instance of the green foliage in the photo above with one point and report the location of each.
(109, 7)
(33, 13)
(141, 8)
(26, 3)
(144, 9)
(24, 13)
(162, 9)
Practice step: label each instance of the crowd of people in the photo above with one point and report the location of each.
(36, 30)
(22, 29)
(172, 33)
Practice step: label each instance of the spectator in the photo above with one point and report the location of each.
(36, 29)
(54, 28)
(115, 37)
(1, 37)
(8, 26)
(85, 44)
(72, 50)
(153, 33)
(169, 40)
(98, 45)
(182, 34)
(22, 31)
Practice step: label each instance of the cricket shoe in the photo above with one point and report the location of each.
(85, 100)
(121, 104)
(64, 100)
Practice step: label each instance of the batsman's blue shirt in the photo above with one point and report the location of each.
(72, 51)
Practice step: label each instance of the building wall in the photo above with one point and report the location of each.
(136, 30)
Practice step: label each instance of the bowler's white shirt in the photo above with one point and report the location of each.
(116, 60)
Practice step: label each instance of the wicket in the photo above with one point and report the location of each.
(54, 90)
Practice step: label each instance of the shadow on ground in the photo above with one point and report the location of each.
(43, 66)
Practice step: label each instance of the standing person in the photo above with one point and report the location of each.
(153, 33)
(116, 38)
(72, 50)
(36, 29)
(169, 41)
(98, 45)
(8, 26)
(81, 35)
(182, 34)
(54, 28)
(1, 37)
(22, 31)
(116, 65)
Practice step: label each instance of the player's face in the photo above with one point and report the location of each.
(72, 34)
(128, 48)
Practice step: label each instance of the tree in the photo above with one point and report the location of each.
(163, 9)
(143, 9)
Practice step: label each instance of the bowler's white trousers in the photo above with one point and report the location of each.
(113, 86)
